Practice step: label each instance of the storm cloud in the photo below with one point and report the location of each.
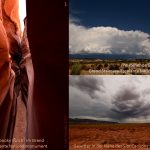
(87, 84)
(115, 98)
(108, 40)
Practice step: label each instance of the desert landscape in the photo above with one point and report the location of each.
(109, 136)
(109, 67)
(109, 112)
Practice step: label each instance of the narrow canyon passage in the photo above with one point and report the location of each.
(45, 101)
(16, 74)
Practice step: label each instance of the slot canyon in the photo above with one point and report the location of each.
(32, 104)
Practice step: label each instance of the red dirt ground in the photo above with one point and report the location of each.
(109, 136)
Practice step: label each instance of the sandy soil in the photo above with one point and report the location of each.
(114, 136)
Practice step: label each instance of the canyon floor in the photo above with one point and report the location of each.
(20, 126)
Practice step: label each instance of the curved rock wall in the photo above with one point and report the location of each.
(16, 72)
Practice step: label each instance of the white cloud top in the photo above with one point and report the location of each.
(108, 40)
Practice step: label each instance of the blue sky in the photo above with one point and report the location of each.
(110, 26)
(123, 14)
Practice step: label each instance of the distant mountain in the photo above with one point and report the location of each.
(88, 121)
(108, 56)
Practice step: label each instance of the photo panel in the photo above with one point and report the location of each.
(109, 112)
(109, 37)
(109, 68)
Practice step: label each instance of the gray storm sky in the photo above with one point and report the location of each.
(110, 98)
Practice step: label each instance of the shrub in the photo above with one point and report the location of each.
(99, 66)
(114, 67)
(126, 68)
(76, 68)
(105, 65)
(86, 67)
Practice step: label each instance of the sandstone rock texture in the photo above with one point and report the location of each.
(7, 97)
(48, 43)
(16, 71)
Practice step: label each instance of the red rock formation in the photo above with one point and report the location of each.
(7, 99)
(12, 25)
(48, 47)
(13, 63)
(26, 66)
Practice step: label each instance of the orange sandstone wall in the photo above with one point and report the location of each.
(11, 23)
(9, 44)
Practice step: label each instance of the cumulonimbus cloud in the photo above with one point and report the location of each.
(114, 98)
(108, 40)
